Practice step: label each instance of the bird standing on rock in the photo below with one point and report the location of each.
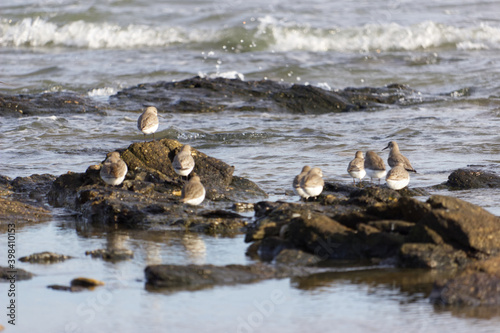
(374, 166)
(148, 121)
(296, 181)
(395, 157)
(312, 183)
(356, 167)
(183, 162)
(398, 178)
(193, 192)
(114, 169)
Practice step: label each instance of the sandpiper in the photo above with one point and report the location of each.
(148, 121)
(193, 192)
(114, 169)
(374, 166)
(395, 156)
(356, 167)
(183, 162)
(398, 178)
(296, 181)
(312, 183)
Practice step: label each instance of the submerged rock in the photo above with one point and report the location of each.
(149, 196)
(20, 274)
(44, 258)
(112, 255)
(193, 277)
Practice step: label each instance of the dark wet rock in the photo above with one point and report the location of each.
(22, 200)
(464, 225)
(7, 273)
(149, 196)
(380, 225)
(47, 103)
(193, 277)
(44, 258)
(477, 285)
(65, 288)
(220, 94)
(294, 257)
(15, 211)
(464, 179)
(112, 255)
(426, 255)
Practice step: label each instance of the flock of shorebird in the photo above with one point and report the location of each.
(309, 183)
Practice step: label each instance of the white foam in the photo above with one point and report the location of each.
(102, 92)
(224, 75)
(377, 37)
(38, 32)
(268, 33)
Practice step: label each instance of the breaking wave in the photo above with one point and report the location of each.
(266, 33)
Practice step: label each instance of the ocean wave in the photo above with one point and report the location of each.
(266, 33)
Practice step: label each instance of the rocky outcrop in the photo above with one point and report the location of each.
(464, 179)
(47, 103)
(149, 196)
(378, 224)
(221, 94)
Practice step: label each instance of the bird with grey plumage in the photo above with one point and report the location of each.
(114, 169)
(312, 184)
(374, 166)
(398, 178)
(356, 167)
(395, 157)
(193, 192)
(296, 181)
(148, 121)
(183, 162)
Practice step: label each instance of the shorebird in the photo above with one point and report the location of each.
(398, 178)
(148, 121)
(114, 169)
(193, 192)
(296, 181)
(374, 166)
(395, 156)
(183, 162)
(356, 167)
(312, 183)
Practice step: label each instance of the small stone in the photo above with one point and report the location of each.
(44, 258)
(86, 282)
(111, 255)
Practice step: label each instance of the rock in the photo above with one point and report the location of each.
(426, 255)
(47, 103)
(86, 282)
(464, 225)
(65, 288)
(296, 258)
(44, 258)
(478, 285)
(20, 274)
(221, 94)
(194, 277)
(20, 212)
(464, 179)
(149, 196)
(112, 255)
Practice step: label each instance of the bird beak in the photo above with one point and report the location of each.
(386, 147)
